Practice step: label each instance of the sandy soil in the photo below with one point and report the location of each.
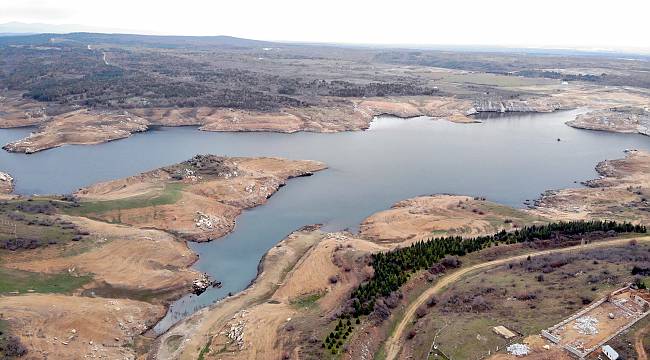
(622, 193)
(124, 260)
(449, 108)
(218, 199)
(72, 327)
(440, 215)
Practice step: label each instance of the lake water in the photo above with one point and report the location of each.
(506, 158)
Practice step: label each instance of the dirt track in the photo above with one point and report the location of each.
(394, 342)
(638, 343)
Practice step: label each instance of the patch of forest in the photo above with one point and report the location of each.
(392, 269)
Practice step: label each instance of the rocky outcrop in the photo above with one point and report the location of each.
(6, 183)
(542, 104)
(625, 119)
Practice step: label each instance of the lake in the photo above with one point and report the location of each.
(506, 158)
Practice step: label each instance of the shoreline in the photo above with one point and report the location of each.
(182, 325)
(365, 115)
(260, 265)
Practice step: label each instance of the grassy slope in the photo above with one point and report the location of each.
(22, 281)
(170, 195)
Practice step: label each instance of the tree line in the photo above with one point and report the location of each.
(392, 269)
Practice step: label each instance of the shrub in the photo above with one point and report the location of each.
(526, 296)
(12, 347)
(421, 312)
(451, 262)
(480, 304)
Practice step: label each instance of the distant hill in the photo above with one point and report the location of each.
(162, 41)
(17, 28)
(16, 33)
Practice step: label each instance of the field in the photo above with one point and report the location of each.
(16, 281)
(526, 297)
(32, 224)
(170, 194)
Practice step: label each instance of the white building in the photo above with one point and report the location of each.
(609, 352)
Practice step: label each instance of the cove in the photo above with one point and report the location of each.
(506, 158)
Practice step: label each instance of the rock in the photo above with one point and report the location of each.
(528, 105)
(203, 283)
(6, 183)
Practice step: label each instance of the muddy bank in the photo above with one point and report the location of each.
(255, 322)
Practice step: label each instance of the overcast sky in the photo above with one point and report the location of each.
(620, 24)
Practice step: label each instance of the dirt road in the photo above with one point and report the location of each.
(393, 343)
(638, 343)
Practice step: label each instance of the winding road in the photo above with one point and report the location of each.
(394, 342)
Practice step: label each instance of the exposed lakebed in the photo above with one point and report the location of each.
(506, 159)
